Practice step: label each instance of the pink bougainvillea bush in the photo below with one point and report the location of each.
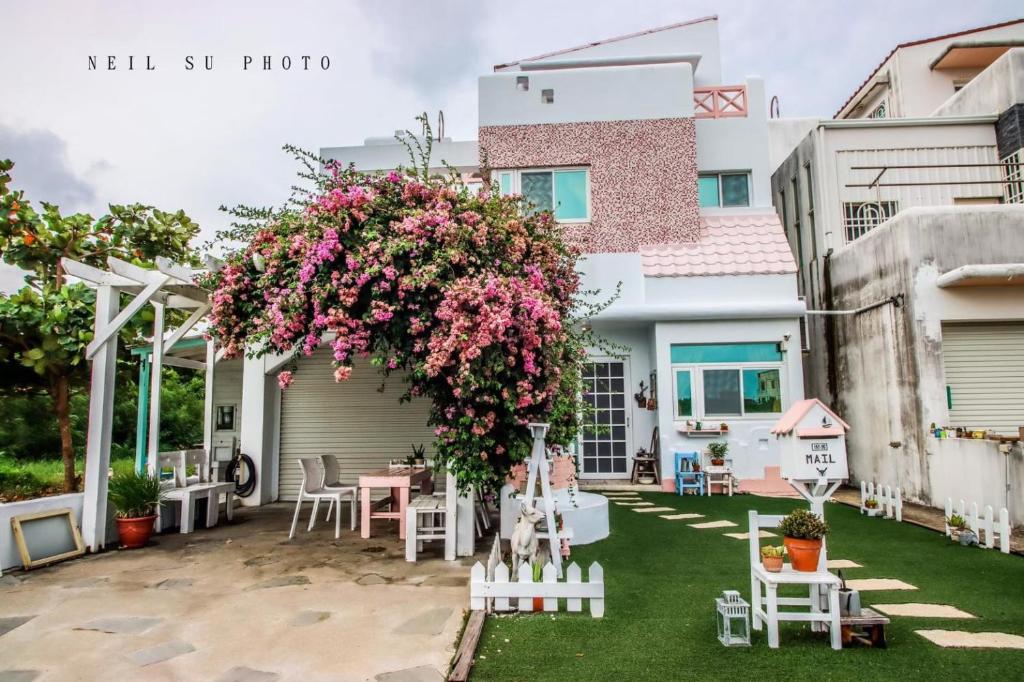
(463, 295)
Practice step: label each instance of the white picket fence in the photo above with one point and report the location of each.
(986, 527)
(490, 587)
(890, 500)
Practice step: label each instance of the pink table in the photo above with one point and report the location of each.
(399, 480)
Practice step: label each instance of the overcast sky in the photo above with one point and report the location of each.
(198, 139)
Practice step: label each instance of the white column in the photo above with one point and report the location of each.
(156, 372)
(257, 426)
(101, 415)
(211, 360)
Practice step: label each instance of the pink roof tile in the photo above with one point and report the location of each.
(737, 244)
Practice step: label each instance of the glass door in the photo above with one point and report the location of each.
(605, 434)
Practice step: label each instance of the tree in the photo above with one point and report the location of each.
(47, 324)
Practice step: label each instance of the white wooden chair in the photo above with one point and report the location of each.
(332, 482)
(187, 490)
(312, 488)
(432, 517)
(765, 610)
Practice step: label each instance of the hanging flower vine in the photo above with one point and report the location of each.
(466, 296)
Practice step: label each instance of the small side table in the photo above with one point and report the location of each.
(872, 622)
(718, 475)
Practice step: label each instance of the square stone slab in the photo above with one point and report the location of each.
(746, 536)
(11, 622)
(972, 640)
(635, 504)
(160, 652)
(422, 673)
(677, 517)
(653, 509)
(303, 618)
(120, 625)
(430, 622)
(870, 584)
(842, 563)
(922, 610)
(18, 675)
(242, 674)
(712, 524)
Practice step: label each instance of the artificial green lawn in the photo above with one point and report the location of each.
(662, 577)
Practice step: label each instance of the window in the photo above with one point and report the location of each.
(878, 112)
(566, 192)
(225, 418)
(723, 189)
(859, 218)
(727, 380)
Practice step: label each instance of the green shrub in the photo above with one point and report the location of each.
(801, 524)
(718, 449)
(134, 495)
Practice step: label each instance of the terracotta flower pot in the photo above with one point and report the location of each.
(803, 554)
(538, 603)
(717, 462)
(772, 564)
(135, 533)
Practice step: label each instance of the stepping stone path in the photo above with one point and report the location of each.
(303, 618)
(870, 584)
(712, 524)
(972, 640)
(841, 563)
(422, 673)
(121, 625)
(677, 517)
(653, 509)
(160, 652)
(635, 504)
(922, 610)
(746, 536)
(242, 674)
(282, 581)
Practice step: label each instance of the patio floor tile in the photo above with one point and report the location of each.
(303, 618)
(160, 652)
(677, 517)
(842, 563)
(281, 581)
(746, 536)
(242, 674)
(972, 640)
(869, 584)
(711, 524)
(18, 675)
(430, 622)
(922, 610)
(121, 625)
(422, 673)
(653, 509)
(9, 623)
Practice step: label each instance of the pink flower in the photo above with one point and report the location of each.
(284, 380)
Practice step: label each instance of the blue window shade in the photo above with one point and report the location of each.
(707, 353)
(505, 183)
(707, 190)
(571, 195)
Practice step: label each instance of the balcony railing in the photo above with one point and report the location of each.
(723, 101)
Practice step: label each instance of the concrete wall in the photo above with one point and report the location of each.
(993, 91)
(9, 555)
(995, 478)
(643, 175)
(888, 361)
(386, 153)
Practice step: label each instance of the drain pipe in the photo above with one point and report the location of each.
(896, 300)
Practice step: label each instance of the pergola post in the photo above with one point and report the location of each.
(142, 415)
(156, 370)
(101, 416)
(211, 363)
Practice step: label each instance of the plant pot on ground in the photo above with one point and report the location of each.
(802, 534)
(957, 525)
(136, 498)
(771, 557)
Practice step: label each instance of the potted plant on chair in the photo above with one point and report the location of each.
(771, 557)
(802, 533)
(136, 498)
(718, 450)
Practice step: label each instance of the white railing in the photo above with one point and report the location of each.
(890, 500)
(1014, 170)
(986, 527)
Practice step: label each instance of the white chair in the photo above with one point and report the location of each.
(432, 517)
(766, 609)
(332, 482)
(312, 489)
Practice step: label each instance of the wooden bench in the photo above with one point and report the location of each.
(189, 489)
(873, 624)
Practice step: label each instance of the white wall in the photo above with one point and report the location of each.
(379, 154)
(9, 555)
(612, 93)
(976, 471)
(993, 91)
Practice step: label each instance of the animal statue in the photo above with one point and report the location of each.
(524, 537)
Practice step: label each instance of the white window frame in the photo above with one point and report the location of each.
(517, 186)
(697, 390)
(719, 174)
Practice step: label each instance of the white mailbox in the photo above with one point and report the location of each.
(812, 443)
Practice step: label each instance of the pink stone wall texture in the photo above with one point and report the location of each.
(643, 176)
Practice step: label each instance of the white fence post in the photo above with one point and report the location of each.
(525, 576)
(501, 576)
(596, 576)
(476, 578)
(863, 492)
(972, 522)
(988, 526)
(899, 505)
(550, 578)
(573, 576)
(1004, 530)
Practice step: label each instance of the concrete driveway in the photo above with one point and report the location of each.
(237, 602)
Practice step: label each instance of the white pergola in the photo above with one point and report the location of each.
(168, 286)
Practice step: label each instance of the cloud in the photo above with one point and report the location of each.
(430, 47)
(42, 169)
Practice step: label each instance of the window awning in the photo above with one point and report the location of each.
(983, 275)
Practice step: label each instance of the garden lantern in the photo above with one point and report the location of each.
(733, 619)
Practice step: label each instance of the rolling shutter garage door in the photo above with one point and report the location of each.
(984, 366)
(351, 420)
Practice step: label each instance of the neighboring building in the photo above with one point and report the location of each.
(911, 260)
(659, 171)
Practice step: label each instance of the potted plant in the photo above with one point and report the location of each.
(724, 427)
(771, 557)
(802, 533)
(418, 455)
(871, 506)
(136, 498)
(957, 525)
(718, 450)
